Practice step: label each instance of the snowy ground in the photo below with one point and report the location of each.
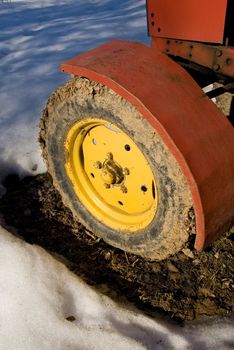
(37, 293)
(35, 37)
(44, 306)
(39, 296)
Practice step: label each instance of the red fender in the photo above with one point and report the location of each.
(196, 132)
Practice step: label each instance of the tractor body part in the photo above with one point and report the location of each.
(193, 20)
(218, 58)
(195, 132)
(201, 32)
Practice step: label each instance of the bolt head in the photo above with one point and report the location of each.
(109, 155)
(216, 67)
(97, 165)
(124, 189)
(228, 61)
(126, 171)
(218, 53)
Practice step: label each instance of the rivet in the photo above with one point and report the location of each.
(228, 61)
(216, 67)
(218, 53)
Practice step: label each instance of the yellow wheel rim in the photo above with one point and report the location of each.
(110, 175)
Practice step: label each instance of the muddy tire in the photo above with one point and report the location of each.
(81, 99)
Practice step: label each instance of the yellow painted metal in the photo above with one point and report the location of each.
(110, 175)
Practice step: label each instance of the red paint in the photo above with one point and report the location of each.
(219, 58)
(194, 20)
(192, 127)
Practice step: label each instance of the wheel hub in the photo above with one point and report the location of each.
(111, 172)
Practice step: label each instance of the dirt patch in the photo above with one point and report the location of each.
(185, 286)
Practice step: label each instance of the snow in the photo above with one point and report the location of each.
(36, 36)
(37, 292)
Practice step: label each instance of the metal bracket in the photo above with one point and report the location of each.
(218, 58)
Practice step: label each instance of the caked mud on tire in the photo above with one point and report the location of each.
(80, 99)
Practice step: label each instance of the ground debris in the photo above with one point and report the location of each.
(185, 286)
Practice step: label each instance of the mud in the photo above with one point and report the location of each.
(186, 286)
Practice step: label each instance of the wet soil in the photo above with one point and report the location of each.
(186, 286)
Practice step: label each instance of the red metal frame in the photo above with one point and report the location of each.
(184, 28)
(219, 58)
(191, 126)
(194, 20)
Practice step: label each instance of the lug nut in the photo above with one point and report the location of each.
(126, 171)
(107, 186)
(124, 189)
(216, 67)
(109, 155)
(97, 165)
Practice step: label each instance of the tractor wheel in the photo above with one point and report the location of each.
(113, 170)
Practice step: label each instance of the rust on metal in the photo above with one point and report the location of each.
(219, 58)
(196, 20)
(192, 127)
